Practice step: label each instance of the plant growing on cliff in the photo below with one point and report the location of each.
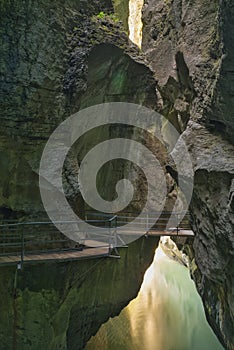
(101, 15)
(109, 17)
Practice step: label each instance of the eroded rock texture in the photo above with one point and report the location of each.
(52, 66)
(61, 305)
(189, 46)
(57, 58)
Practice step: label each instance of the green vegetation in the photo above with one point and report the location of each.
(109, 17)
(101, 15)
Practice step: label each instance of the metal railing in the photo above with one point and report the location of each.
(149, 222)
(19, 238)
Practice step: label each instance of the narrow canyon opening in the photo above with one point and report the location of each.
(135, 22)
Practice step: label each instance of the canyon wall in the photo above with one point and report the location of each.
(189, 47)
(61, 305)
(56, 59)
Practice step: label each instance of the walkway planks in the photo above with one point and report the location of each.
(19, 240)
(172, 232)
(152, 232)
(65, 255)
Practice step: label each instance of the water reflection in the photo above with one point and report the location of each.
(166, 315)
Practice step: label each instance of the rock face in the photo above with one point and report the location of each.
(189, 48)
(121, 9)
(56, 60)
(77, 56)
(49, 71)
(60, 306)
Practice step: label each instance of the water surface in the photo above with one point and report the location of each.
(166, 315)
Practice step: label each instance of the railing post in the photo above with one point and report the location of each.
(22, 248)
(110, 237)
(113, 235)
(85, 232)
(177, 224)
(115, 231)
(147, 222)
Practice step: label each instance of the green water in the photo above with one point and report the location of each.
(166, 315)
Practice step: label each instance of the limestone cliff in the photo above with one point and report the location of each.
(56, 59)
(189, 46)
(61, 305)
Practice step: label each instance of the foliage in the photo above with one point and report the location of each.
(111, 17)
(101, 15)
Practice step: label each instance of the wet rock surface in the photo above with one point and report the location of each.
(49, 70)
(188, 46)
(61, 305)
(44, 79)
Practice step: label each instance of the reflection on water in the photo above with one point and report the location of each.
(166, 315)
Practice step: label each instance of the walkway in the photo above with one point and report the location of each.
(40, 241)
(59, 256)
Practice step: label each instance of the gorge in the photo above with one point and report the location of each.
(61, 57)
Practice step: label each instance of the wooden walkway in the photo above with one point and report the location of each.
(20, 242)
(59, 256)
(172, 232)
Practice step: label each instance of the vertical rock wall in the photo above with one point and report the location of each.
(46, 76)
(189, 47)
(49, 71)
(61, 305)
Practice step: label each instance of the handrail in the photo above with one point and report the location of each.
(113, 218)
(54, 222)
(52, 240)
(130, 212)
(38, 223)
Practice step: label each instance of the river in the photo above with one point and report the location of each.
(167, 314)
